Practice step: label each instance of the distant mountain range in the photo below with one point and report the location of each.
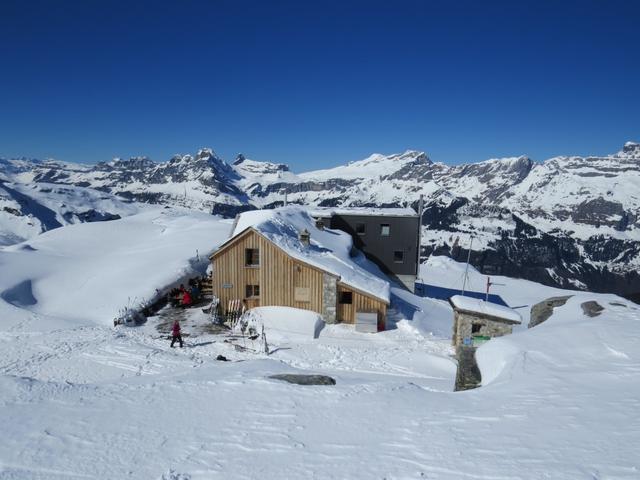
(572, 222)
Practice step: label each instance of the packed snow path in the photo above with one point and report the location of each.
(193, 322)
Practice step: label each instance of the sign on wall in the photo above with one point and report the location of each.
(302, 294)
(227, 285)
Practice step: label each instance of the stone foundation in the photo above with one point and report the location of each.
(468, 375)
(329, 298)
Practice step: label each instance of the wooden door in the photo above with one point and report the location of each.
(345, 308)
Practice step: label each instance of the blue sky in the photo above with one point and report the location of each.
(316, 84)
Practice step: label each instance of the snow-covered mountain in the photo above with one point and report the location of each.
(568, 221)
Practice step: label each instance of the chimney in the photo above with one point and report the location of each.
(320, 223)
(305, 237)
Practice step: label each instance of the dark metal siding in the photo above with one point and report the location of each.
(380, 249)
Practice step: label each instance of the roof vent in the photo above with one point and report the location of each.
(305, 237)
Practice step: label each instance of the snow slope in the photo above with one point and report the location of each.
(27, 210)
(519, 294)
(86, 400)
(376, 165)
(86, 273)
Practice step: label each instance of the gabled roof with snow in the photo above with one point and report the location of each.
(475, 305)
(329, 250)
(362, 211)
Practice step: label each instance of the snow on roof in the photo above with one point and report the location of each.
(329, 250)
(364, 211)
(485, 308)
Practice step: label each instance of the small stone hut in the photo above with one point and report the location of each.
(475, 321)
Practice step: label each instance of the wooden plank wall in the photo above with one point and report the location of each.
(360, 302)
(277, 275)
(229, 269)
(280, 274)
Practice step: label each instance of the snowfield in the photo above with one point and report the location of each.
(86, 273)
(82, 399)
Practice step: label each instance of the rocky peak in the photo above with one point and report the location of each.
(239, 159)
(134, 163)
(520, 165)
(206, 153)
(179, 158)
(414, 155)
(630, 149)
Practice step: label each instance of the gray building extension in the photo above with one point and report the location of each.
(389, 237)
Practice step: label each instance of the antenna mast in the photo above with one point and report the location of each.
(466, 269)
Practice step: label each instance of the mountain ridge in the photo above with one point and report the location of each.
(571, 209)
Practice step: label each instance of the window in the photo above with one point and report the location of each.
(251, 257)
(398, 256)
(346, 298)
(252, 291)
(361, 228)
(385, 229)
(475, 328)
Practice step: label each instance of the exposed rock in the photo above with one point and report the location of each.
(592, 308)
(599, 212)
(300, 379)
(13, 211)
(540, 312)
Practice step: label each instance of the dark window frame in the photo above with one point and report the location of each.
(395, 256)
(252, 291)
(252, 257)
(382, 229)
(346, 298)
(476, 327)
(359, 230)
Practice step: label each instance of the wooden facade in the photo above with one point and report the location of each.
(360, 302)
(281, 280)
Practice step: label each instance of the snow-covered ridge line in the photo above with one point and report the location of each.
(585, 211)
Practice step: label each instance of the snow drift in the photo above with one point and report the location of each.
(285, 320)
(87, 273)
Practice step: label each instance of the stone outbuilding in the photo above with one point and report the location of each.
(476, 321)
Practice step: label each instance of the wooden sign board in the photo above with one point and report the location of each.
(302, 294)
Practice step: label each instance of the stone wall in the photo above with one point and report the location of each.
(463, 323)
(468, 375)
(329, 298)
